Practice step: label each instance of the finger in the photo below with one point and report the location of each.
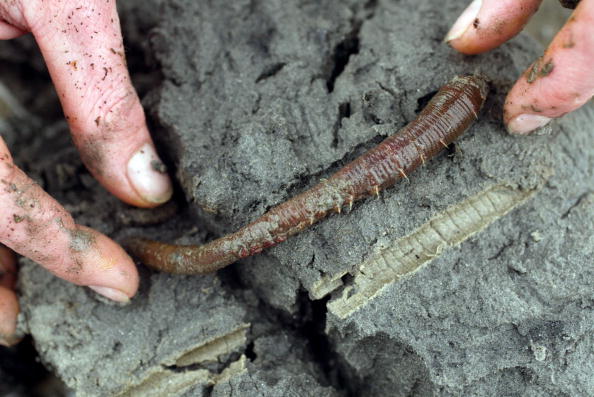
(7, 267)
(36, 226)
(9, 309)
(8, 31)
(9, 305)
(558, 82)
(82, 46)
(486, 24)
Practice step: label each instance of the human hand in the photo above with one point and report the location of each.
(557, 83)
(82, 45)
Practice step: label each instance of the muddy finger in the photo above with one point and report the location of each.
(82, 46)
(486, 24)
(558, 82)
(36, 226)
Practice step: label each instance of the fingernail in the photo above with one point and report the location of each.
(148, 175)
(525, 123)
(111, 293)
(464, 20)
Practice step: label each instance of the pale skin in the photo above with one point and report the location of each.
(82, 46)
(559, 83)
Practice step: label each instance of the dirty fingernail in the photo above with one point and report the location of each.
(464, 20)
(148, 175)
(111, 293)
(525, 123)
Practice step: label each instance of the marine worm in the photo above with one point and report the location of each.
(447, 115)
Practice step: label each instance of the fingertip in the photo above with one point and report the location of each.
(126, 163)
(486, 24)
(38, 227)
(464, 21)
(9, 309)
(148, 176)
(107, 268)
(524, 124)
(558, 82)
(110, 293)
(86, 60)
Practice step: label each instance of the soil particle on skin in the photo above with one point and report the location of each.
(533, 71)
(532, 107)
(569, 42)
(92, 155)
(539, 68)
(24, 196)
(546, 69)
(499, 26)
(81, 240)
(158, 166)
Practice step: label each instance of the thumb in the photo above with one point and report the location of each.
(559, 82)
(486, 24)
(82, 46)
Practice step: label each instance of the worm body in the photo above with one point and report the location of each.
(449, 113)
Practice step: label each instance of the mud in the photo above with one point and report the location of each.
(252, 102)
(81, 240)
(540, 68)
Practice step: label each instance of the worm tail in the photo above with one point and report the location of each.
(180, 259)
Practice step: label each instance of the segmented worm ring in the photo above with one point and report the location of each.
(449, 113)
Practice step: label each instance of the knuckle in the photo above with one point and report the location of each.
(11, 11)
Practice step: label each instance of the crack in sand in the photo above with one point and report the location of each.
(178, 378)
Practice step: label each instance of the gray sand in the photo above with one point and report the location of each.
(474, 278)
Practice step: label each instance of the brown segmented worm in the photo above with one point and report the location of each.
(449, 113)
